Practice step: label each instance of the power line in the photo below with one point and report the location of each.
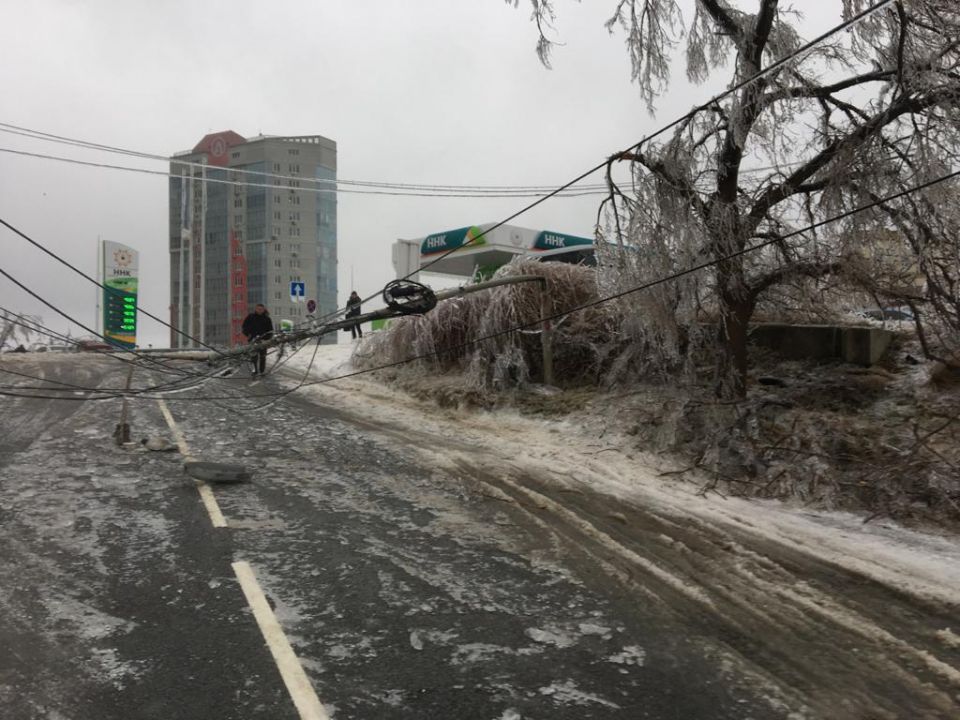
(440, 187)
(644, 286)
(321, 191)
(430, 190)
(558, 191)
(689, 114)
(142, 357)
(609, 298)
(87, 277)
(99, 393)
(207, 179)
(636, 146)
(659, 281)
(188, 380)
(25, 321)
(169, 386)
(100, 285)
(40, 328)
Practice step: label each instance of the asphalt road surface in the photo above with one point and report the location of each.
(397, 589)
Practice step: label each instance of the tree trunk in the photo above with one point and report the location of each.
(735, 302)
(736, 309)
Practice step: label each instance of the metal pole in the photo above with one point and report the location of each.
(122, 433)
(546, 335)
(99, 319)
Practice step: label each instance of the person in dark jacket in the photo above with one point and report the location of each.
(353, 309)
(258, 326)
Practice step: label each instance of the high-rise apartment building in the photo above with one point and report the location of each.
(249, 217)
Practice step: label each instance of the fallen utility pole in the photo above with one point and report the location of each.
(420, 300)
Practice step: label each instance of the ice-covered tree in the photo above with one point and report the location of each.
(16, 329)
(868, 112)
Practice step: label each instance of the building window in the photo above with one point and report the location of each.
(293, 151)
(276, 167)
(235, 155)
(276, 214)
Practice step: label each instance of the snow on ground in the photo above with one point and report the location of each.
(329, 360)
(925, 564)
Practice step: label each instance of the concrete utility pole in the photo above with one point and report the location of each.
(317, 330)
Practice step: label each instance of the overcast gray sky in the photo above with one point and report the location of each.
(426, 91)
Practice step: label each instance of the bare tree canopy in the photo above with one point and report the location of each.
(862, 115)
(17, 329)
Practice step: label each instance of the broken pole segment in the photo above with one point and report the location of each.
(213, 472)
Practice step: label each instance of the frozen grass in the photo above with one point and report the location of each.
(885, 440)
(583, 341)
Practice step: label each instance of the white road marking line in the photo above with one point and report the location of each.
(175, 429)
(206, 492)
(294, 677)
(210, 503)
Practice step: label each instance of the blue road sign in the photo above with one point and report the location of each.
(298, 291)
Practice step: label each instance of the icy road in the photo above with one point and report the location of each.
(389, 561)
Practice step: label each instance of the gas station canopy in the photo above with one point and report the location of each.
(478, 249)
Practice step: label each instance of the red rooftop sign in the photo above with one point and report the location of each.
(217, 146)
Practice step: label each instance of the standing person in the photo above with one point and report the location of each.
(353, 310)
(258, 326)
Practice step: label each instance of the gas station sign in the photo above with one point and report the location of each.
(120, 280)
